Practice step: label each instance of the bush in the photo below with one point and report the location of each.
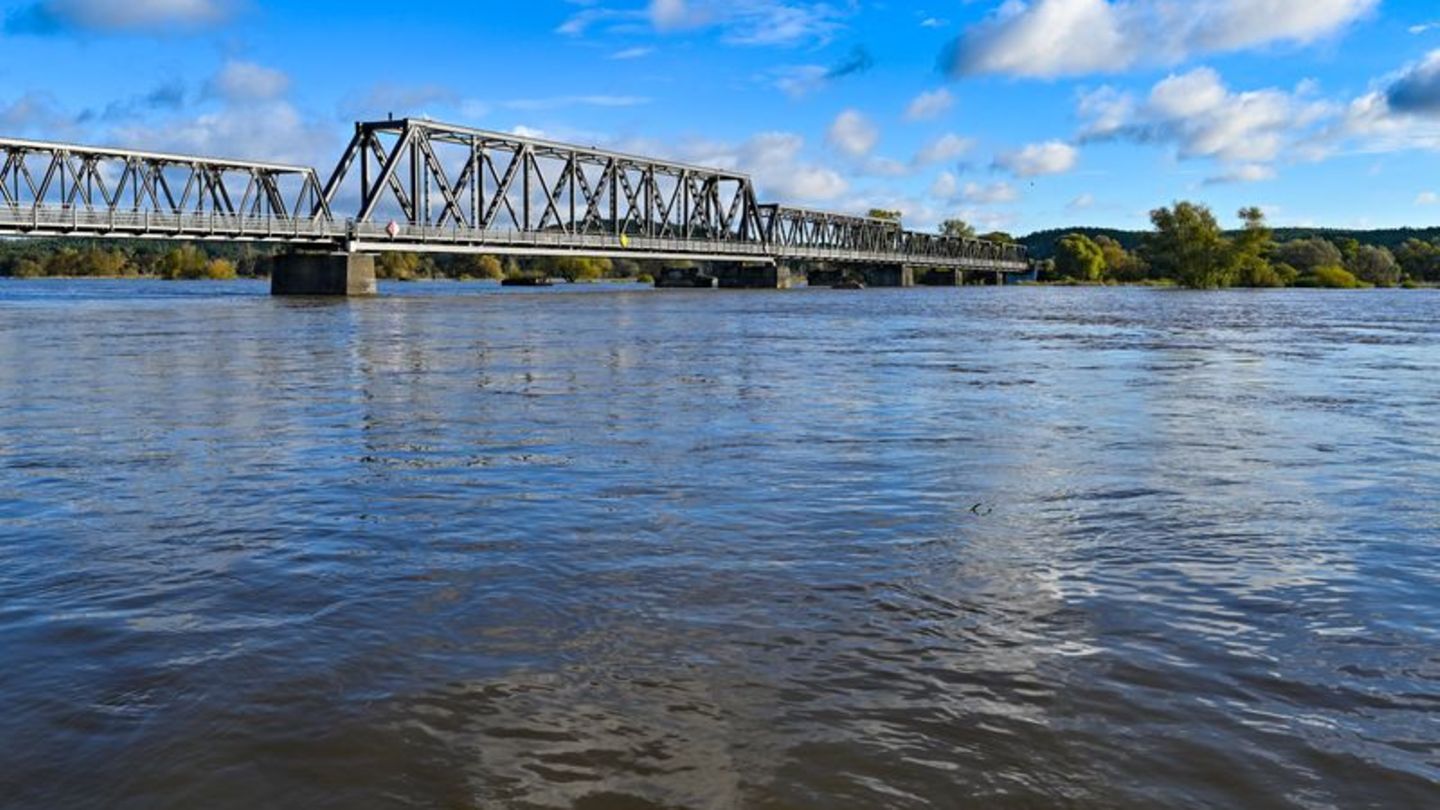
(1258, 274)
(185, 262)
(401, 266)
(1309, 255)
(1334, 277)
(478, 266)
(220, 270)
(1374, 265)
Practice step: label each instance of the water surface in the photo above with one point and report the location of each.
(456, 547)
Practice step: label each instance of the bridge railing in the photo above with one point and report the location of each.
(80, 221)
(371, 236)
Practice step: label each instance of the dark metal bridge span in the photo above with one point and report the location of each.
(417, 185)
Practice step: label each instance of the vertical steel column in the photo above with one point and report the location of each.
(685, 216)
(615, 196)
(529, 161)
(416, 193)
(364, 147)
(477, 179)
(648, 178)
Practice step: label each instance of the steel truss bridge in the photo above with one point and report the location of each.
(418, 185)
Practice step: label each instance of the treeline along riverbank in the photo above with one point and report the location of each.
(1187, 246)
(98, 258)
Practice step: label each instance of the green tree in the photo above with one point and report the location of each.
(184, 262)
(882, 213)
(1419, 260)
(1374, 265)
(957, 228)
(1078, 257)
(1120, 264)
(1251, 251)
(107, 263)
(1308, 255)
(398, 266)
(570, 268)
(1349, 247)
(625, 268)
(220, 270)
(1189, 247)
(998, 236)
(1333, 276)
(477, 266)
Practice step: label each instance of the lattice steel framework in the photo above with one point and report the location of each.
(798, 231)
(422, 185)
(64, 188)
(805, 234)
(444, 182)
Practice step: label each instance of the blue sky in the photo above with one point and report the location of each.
(1014, 115)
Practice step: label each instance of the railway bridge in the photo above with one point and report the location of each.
(421, 186)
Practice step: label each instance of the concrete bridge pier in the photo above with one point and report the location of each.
(949, 277)
(824, 276)
(741, 276)
(889, 275)
(328, 274)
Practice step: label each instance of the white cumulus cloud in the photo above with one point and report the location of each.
(1244, 173)
(751, 22)
(992, 194)
(1051, 157)
(1051, 38)
(930, 105)
(853, 134)
(944, 149)
(247, 81)
(1202, 118)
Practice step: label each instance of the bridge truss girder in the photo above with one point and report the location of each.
(91, 182)
(424, 176)
(422, 185)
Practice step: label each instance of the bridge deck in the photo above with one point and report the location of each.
(429, 187)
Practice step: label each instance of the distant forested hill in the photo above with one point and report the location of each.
(1042, 243)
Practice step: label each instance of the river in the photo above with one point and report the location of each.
(609, 548)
